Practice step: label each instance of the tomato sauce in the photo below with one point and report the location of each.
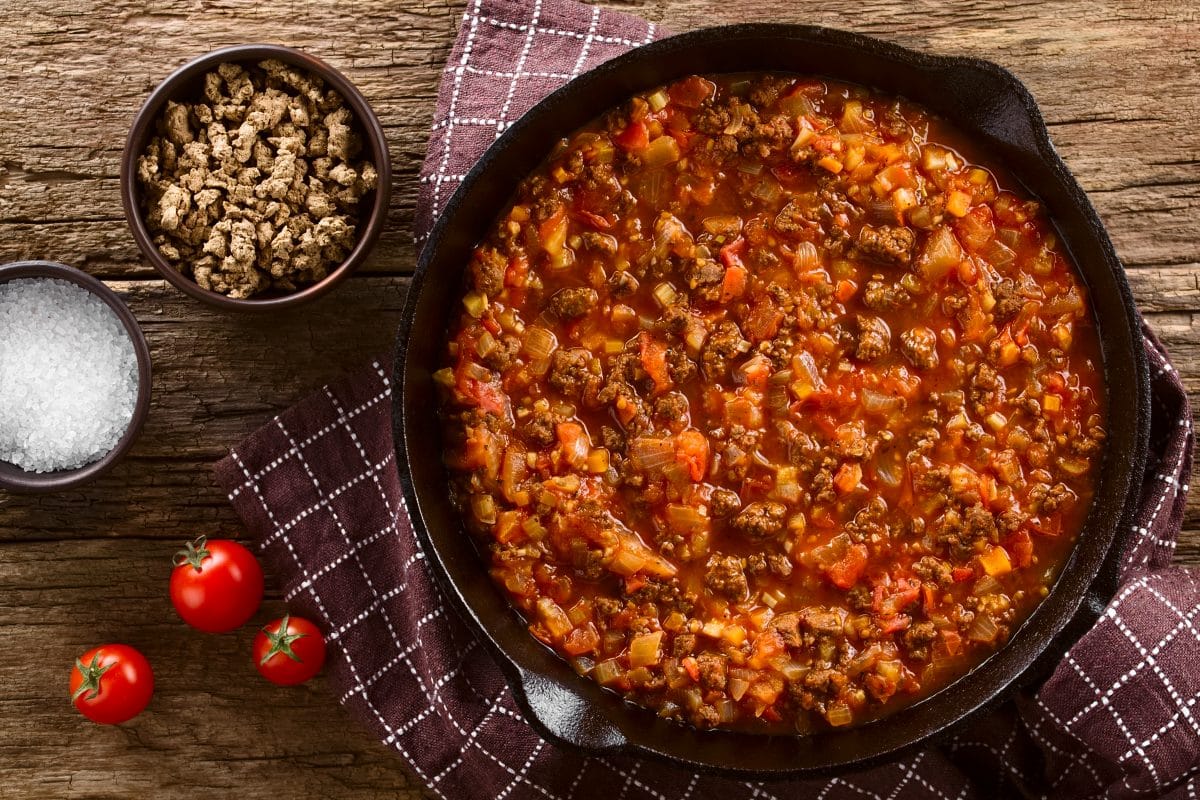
(768, 408)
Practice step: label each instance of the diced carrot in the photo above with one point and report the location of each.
(767, 646)
(996, 562)
(691, 450)
(845, 290)
(734, 284)
(848, 477)
(692, 666)
(830, 163)
(654, 361)
(635, 137)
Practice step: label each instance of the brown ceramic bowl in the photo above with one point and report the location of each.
(185, 83)
(15, 479)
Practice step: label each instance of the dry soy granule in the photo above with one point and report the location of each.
(68, 375)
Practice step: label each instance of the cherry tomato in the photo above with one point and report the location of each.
(111, 684)
(216, 585)
(289, 651)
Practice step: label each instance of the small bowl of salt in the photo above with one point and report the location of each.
(74, 377)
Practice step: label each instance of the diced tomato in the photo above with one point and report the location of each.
(635, 137)
(582, 640)
(976, 229)
(891, 600)
(596, 220)
(896, 623)
(960, 574)
(763, 322)
(518, 270)
(654, 361)
(929, 597)
(691, 450)
(552, 232)
(952, 641)
(731, 254)
(756, 372)
(846, 572)
(691, 92)
(848, 477)
(1020, 547)
(635, 582)
(692, 666)
(767, 646)
(771, 715)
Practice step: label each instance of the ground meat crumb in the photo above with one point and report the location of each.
(726, 576)
(919, 346)
(572, 303)
(874, 339)
(889, 244)
(760, 520)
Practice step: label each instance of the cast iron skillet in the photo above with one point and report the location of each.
(989, 104)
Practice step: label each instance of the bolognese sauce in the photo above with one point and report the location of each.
(769, 408)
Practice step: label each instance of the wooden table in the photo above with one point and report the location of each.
(1120, 86)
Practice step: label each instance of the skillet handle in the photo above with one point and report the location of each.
(564, 716)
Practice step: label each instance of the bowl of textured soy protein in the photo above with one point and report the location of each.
(74, 377)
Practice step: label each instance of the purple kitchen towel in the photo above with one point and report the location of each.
(318, 487)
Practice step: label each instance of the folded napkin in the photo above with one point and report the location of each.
(318, 487)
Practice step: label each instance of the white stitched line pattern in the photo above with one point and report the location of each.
(531, 34)
(472, 27)
(291, 451)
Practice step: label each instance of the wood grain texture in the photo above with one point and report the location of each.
(1119, 84)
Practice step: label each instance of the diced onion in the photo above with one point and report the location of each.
(539, 343)
(941, 254)
(983, 629)
(483, 506)
(649, 453)
(644, 650)
(665, 294)
(879, 403)
(808, 258)
(838, 714)
(606, 672)
(553, 617)
(658, 101)
(662, 151)
(684, 518)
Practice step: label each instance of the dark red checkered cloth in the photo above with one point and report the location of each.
(318, 487)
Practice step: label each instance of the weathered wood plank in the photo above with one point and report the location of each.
(217, 377)
(215, 728)
(1118, 90)
(1118, 83)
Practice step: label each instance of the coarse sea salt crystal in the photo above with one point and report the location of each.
(68, 375)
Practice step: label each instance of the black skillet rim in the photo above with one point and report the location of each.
(1081, 609)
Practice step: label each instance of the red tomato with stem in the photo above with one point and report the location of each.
(216, 585)
(289, 651)
(111, 684)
